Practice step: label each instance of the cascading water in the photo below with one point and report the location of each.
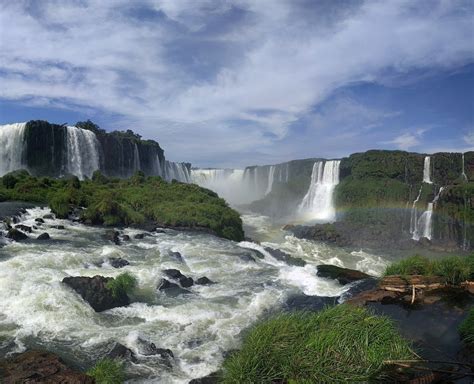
(427, 170)
(82, 152)
(424, 225)
(318, 201)
(228, 183)
(463, 174)
(271, 174)
(414, 213)
(11, 147)
(136, 158)
(177, 171)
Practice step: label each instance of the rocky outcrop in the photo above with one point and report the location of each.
(120, 351)
(43, 236)
(40, 367)
(16, 235)
(118, 262)
(94, 290)
(171, 289)
(342, 275)
(204, 281)
(212, 378)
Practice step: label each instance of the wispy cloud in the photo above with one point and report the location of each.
(227, 77)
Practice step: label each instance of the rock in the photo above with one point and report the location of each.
(147, 348)
(177, 256)
(302, 302)
(43, 236)
(186, 282)
(95, 292)
(204, 281)
(49, 216)
(120, 351)
(173, 273)
(286, 258)
(40, 367)
(16, 235)
(24, 228)
(112, 235)
(58, 226)
(125, 238)
(39, 220)
(375, 295)
(142, 235)
(212, 378)
(118, 262)
(247, 258)
(172, 289)
(360, 286)
(342, 275)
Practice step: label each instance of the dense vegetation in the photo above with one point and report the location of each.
(466, 330)
(454, 269)
(134, 201)
(336, 345)
(122, 284)
(108, 371)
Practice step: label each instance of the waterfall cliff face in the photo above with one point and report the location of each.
(318, 203)
(82, 152)
(177, 171)
(12, 147)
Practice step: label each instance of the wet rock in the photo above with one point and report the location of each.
(140, 236)
(112, 236)
(118, 262)
(186, 282)
(16, 235)
(148, 348)
(177, 256)
(204, 281)
(173, 273)
(125, 238)
(171, 289)
(94, 290)
(247, 257)
(49, 216)
(43, 236)
(286, 258)
(212, 378)
(302, 302)
(40, 367)
(120, 351)
(24, 228)
(360, 286)
(39, 220)
(342, 275)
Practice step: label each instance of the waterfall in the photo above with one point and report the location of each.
(136, 159)
(427, 170)
(318, 201)
(463, 174)
(271, 174)
(414, 214)
(82, 152)
(177, 171)
(12, 147)
(227, 183)
(424, 225)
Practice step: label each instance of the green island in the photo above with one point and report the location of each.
(136, 201)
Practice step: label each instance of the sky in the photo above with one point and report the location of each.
(233, 83)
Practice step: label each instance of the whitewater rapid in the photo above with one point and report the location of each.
(37, 310)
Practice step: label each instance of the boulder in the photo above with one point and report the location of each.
(125, 238)
(94, 290)
(24, 228)
(173, 273)
(213, 378)
(247, 257)
(177, 256)
(44, 236)
(112, 236)
(147, 348)
(171, 289)
(342, 275)
(186, 282)
(302, 302)
(204, 281)
(286, 258)
(39, 220)
(120, 351)
(49, 216)
(118, 262)
(16, 235)
(40, 367)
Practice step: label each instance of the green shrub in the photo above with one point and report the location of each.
(466, 329)
(454, 269)
(108, 371)
(122, 284)
(339, 344)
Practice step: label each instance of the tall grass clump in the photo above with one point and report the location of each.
(108, 371)
(122, 284)
(338, 344)
(466, 329)
(454, 269)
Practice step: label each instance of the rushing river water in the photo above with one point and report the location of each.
(37, 310)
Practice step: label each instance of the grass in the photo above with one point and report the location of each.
(108, 371)
(122, 284)
(133, 201)
(337, 345)
(466, 329)
(454, 269)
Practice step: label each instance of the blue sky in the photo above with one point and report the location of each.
(240, 82)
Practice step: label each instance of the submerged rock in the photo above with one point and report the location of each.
(173, 273)
(16, 235)
(118, 262)
(24, 228)
(58, 227)
(285, 257)
(204, 281)
(172, 289)
(43, 236)
(212, 378)
(112, 235)
(120, 351)
(40, 367)
(186, 282)
(39, 220)
(342, 275)
(177, 256)
(94, 290)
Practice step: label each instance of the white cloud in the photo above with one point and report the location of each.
(92, 53)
